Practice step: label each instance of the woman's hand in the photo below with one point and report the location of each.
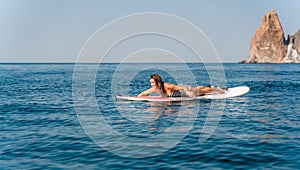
(149, 91)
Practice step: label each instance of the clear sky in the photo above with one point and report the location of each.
(56, 30)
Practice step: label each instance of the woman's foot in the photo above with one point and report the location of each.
(220, 90)
(217, 90)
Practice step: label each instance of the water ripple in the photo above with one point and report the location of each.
(40, 128)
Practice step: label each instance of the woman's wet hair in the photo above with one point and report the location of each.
(158, 82)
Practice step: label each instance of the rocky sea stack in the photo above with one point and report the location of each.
(269, 44)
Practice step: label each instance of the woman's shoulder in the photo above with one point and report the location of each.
(169, 85)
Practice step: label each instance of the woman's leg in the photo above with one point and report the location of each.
(206, 89)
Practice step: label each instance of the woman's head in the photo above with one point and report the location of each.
(156, 81)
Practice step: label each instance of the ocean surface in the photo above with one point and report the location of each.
(65, 116)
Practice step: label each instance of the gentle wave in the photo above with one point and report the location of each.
(41, 126)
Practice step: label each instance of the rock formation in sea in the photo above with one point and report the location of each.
(293, 48)
(269, 45)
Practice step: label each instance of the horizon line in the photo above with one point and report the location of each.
(113, 63)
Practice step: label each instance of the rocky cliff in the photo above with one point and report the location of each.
(269, 45)
(293, 48)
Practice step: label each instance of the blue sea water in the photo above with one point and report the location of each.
(62, 116)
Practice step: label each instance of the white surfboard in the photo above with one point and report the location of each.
(231, 92)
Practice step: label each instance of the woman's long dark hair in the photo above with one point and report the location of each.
(159, 82)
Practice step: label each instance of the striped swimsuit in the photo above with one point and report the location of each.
(176, 93)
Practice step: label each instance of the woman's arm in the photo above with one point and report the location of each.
(149, 91)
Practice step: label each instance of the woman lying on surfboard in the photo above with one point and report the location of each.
(165, 89)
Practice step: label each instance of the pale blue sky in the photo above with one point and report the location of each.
(56, 30)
